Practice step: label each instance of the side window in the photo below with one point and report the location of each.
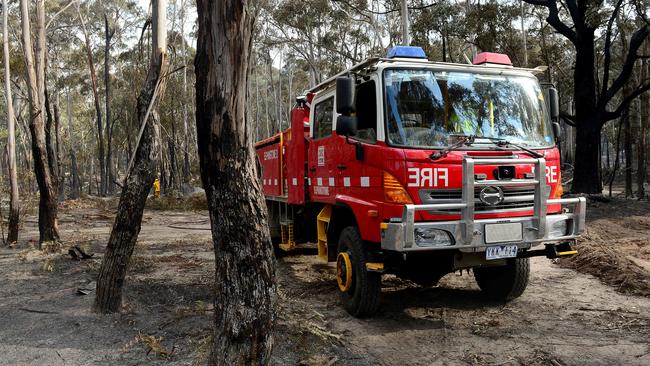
(366, 103)
(323, 116)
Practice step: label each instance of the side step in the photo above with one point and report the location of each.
(551, 251)
(322, 222)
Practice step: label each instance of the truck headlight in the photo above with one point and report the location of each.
(559, 228)
(425, 237)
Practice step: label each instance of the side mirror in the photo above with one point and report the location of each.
(553, 104)
(344, 95)
(557, 131)
(346, 126)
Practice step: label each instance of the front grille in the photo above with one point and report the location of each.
(515, 198)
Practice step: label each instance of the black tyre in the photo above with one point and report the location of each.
(504, 283)
(360, 296)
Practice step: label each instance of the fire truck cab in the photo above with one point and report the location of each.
(416, 168)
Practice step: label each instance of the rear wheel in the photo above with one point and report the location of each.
(504, 283)
(359, 289)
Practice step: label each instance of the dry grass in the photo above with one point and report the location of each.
(154, 344)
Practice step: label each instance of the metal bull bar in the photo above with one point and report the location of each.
(466, 231)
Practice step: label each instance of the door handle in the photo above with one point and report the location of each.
(342, 167)
(312, 169)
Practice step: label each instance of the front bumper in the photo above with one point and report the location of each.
(400, 236)
(469, 235)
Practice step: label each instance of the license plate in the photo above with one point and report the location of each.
(500, 251)
(503, 233)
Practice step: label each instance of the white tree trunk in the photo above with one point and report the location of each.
(14, 203)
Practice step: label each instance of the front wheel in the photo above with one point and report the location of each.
(359, 289)
(504, 283)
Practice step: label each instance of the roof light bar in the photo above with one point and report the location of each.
(491, 58)
(406, 52)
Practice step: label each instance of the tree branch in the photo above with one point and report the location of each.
(58, 13)
(554, 18)
(636, 41)
(608, 43)
(626, 102)
(568, 119)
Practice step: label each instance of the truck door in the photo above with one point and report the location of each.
(321, 150)
(355, 176)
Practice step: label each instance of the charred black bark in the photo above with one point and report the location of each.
(126, 227)
(140, 178)
(245, 291)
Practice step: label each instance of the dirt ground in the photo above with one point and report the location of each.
(565, 317)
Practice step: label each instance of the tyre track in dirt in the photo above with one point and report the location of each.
(564, 318)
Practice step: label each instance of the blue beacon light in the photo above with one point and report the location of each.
(406, 52)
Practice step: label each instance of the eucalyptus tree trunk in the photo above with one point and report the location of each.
(75, 182)
(98, 109)
(186, 142)
(140, 175)
(644, 115)
(245, 290)
(57, 148)
(50, 136)
(14, 201)
(110, 174)
(48, 203)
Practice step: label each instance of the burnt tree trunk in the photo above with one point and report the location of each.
(50, 142)
(627, 127)
(245, 290)
(14, 201)
(48, 204)
(140, 177)
(588, 126)
(591, 99)
(644, 111)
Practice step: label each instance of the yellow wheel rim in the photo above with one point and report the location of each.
(344, 272)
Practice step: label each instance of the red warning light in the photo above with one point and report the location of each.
(492, 58)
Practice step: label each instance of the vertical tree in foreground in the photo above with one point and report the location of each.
(14, 202)
(245, 291)
(140, 176)
(48, 203)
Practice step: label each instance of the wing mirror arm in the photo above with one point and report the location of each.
(346, 124)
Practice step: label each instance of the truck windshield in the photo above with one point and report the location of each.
(426, 108)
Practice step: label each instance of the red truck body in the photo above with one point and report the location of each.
(318, 183)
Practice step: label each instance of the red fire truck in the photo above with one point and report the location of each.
(416, 168)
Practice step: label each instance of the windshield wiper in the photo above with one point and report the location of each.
(505, 143)
(462, 140)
